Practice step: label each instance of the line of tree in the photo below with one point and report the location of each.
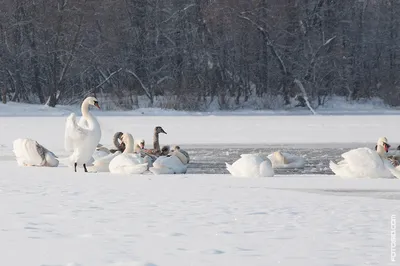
(59, 51)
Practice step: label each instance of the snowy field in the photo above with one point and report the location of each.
(53, 216)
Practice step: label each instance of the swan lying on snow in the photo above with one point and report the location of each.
(29, 152)
(101, 164)
(286, 160)
(251, 165)
(128, 162)
(187, 160)
(118, 146)
(174, 163)
(366, 163)
(82, 139)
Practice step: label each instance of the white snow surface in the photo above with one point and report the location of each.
(55, 217)
(52, 216)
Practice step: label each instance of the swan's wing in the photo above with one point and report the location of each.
(27, 153)
(160, 161)
(266, 169)
(83, 122)
(168, 165)
(231, 169)
(247, 166)
(73, 133)
(126, 164)
(49, 158)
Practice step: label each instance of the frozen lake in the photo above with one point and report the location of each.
(210, 159)
(301, 217)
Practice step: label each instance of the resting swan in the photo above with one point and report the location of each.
(82, 139)
(29, 152)
(174, 163)
(187, 160)
(128, 162)
(366, 163)
(138, 145)
(251, 165)
(286, 160)
(118, 146)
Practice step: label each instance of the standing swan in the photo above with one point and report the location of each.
(30, 153)
(82, 140)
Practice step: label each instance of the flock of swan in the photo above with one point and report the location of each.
(131, 157)
(82, 141)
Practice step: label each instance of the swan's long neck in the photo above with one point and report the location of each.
(381, 151)
(129, 145)
(156, 141)
(92, 121)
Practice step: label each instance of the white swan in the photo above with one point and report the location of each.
(29, 152)
(138, 145)
(251, 165)
(367, 163)
(186, 160)
(102, 163)
(174, 163)
(82, 139)
(286, 160)
(128, 162)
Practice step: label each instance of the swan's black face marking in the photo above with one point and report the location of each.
(96, 103)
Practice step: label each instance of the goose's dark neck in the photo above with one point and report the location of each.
(156, 142)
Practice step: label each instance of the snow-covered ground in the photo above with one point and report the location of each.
(334, 106)
(53, 216)
(56, 217)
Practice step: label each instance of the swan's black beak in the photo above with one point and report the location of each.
(162, 131)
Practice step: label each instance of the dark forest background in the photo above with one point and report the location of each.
(197, 51)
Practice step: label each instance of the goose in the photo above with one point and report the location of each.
(286, 160)
(128, 162)
(174, 163)
(29, 152)
(251, 165)
(83, 139)
(366, 163)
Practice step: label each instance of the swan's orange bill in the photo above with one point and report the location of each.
(97, 105)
